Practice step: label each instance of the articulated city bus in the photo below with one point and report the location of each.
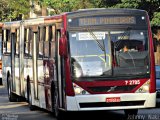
(1, 54)
(96, 59)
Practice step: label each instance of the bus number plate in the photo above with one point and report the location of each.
(132, 82)
(113, 99)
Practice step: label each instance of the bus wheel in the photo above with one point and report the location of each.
(31, 107)
(129, 112)
(11, 96)
(57, 113)
(55, 104)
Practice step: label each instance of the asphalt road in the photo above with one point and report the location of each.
(20, 111)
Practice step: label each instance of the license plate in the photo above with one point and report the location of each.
(113, 99)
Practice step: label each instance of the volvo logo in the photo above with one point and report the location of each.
(112, 89)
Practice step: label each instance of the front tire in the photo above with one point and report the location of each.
(56, 111)
(55, 105)
(29, 98)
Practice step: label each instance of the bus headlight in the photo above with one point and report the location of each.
(144, 88)
(78, 90)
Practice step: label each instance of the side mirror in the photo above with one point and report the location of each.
(63, 44)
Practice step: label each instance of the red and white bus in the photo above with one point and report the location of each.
(1, 24)
(76, 62)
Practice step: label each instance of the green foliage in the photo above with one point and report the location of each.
(151, 6)
(12, 9)
(128, 4)
(3, 9)
(156, 19)
(19, 7)
(70, 5)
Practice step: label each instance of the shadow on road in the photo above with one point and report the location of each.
(20, 111)
(93, 115)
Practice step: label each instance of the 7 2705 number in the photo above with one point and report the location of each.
(132, 82)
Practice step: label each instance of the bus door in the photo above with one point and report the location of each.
(21, 59)
(15, 59)
(13, 39)
(34, 61)
(46, 62)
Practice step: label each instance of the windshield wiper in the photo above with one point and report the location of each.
(98, 43)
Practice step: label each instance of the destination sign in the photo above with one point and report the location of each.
(107, 20)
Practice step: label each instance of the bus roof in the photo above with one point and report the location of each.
(11, 24)
(33, 21)
(107, 11)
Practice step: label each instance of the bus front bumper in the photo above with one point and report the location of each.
(98, 102)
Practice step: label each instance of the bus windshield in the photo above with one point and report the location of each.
(109, 53)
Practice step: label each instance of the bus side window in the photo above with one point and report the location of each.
(41, 41)
(6, 41)
(31, 36)
(46, 43)
(52, 33)
(26, 43)
(16, 39)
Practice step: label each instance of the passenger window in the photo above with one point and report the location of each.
(41, 40)
(6, 41)
(46, 43)
(52, 41)
(16, 38)
(26, 44)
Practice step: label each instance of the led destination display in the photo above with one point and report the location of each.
(107, 20)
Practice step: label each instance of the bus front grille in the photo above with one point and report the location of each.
(112, 88)
(111, 104)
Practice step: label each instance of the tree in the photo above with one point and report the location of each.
(151, 6)
(71, 5)
(156, 19)
(19, 8)
(13, 9)
(4, 9)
